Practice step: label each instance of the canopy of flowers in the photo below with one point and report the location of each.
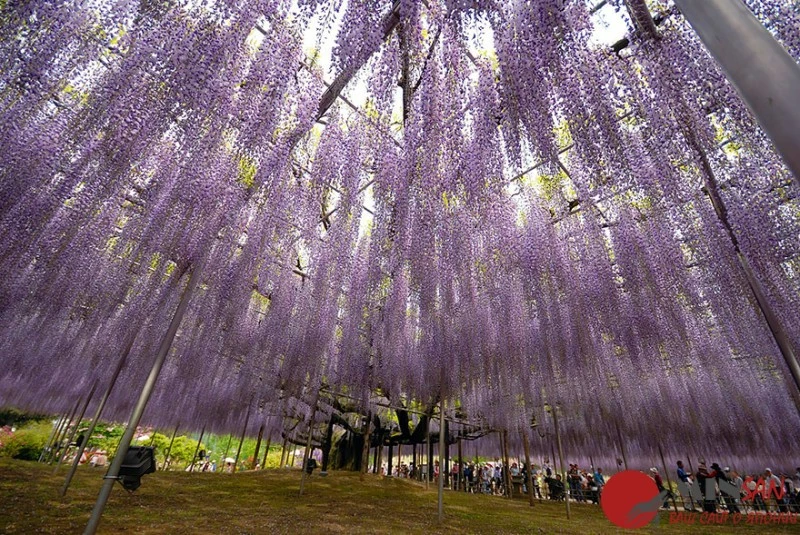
(468, 200)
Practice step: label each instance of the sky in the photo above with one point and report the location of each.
(609, 27)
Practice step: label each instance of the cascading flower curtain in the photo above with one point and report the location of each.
(513, 223)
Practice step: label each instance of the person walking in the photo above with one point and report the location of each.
(686, 479)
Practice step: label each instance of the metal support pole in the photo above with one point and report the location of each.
(97, 414)
(764, 74)
(561, 456)
(266, 452)
(529, 468)
(75, 429)
(167, 462)
(441, 460)
(460, 479)
(241, 440)
(776, 327)
(113, 472)
(228, 447)
(621, 445)
(258, 446)
(307, 452)
(56, 439)
(197, 448)
(49, 444)
(669, 480)
(428, 450)
(62, 433)
(446, 468)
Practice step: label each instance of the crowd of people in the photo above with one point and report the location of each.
(717, 489)
(708, 489)
(489, 478)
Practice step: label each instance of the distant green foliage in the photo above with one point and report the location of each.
(182, 451)
(14, 417)
(27, 442)
(106, 437)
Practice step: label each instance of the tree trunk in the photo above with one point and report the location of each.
(506, 468)
(258, 446)
(528, 467)
(363, 465)
(326, 446)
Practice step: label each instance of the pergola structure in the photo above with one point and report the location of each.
(470, 203)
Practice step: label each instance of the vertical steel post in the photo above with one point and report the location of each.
(442, 439)
(778, 331)
(75, 429)
(621, 445)
(258, 446)
(731, 32)
(669, 480)
(561, 457)
(197, 448)
(764, 74)
(428, 451)
(228, 447)
(266, 452)
(307, 452)
(62, 433)
(97, 414)
(460, 481)
(167, 461)
(241, 440)
(49, 444)
(124, 443)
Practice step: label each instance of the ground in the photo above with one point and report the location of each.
(268, 502)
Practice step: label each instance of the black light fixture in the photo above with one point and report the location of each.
(139, 460)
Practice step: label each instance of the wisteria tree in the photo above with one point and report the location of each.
(467, 201)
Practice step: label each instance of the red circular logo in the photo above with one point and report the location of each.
(630, 499)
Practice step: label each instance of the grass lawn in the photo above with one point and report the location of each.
(268, 502)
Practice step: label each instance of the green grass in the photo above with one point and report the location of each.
(268, 502)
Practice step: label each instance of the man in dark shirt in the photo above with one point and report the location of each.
(704, 478)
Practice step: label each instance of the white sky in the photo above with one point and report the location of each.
(609, 27)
